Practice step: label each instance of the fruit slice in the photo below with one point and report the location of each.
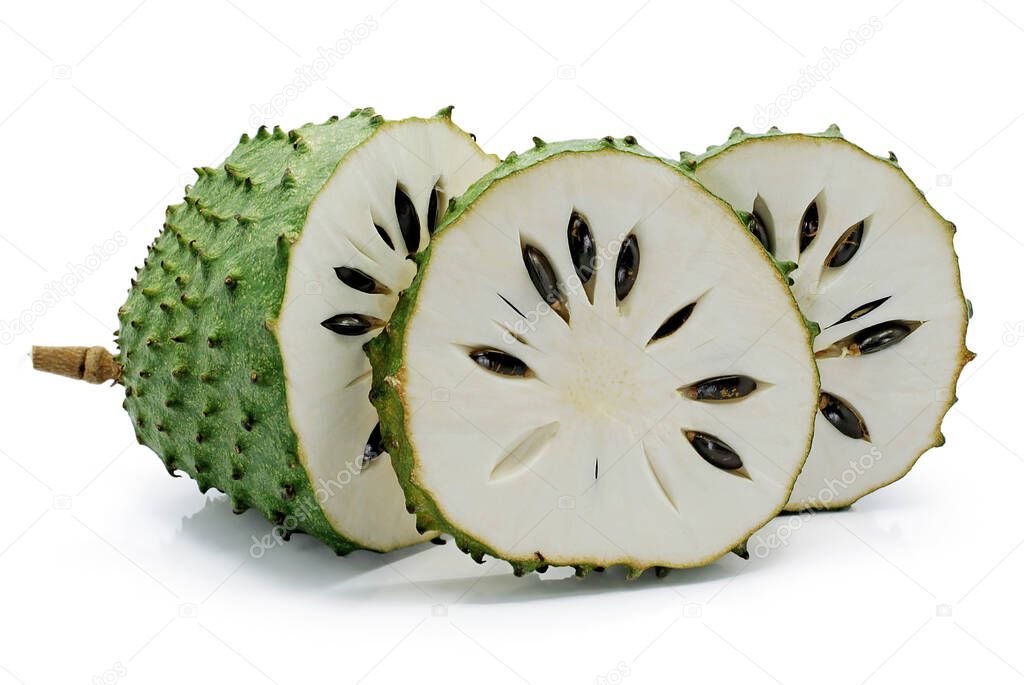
(878, 272)
(595, 365)
(241, 340)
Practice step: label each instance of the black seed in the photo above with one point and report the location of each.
(287, 491)
(714, 451)
(626, 267)
(870, 340)
(544, 279)
(846, 247)
(883, 335)
(499, 362)
(860, 311)
(673, 323)
(845, 418)
(358, 280)
(384, 236)
(438, 541)
(720, 388)
(408, 221)
(373, 448)
(761, 224)
(757, 228)
(432, 211)
(809, 225)
(351, 324)
(581, 247)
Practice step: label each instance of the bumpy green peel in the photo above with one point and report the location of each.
(386, 353)
(202, 368)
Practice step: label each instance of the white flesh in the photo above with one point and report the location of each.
(511, 461)
(901, 392)
(328, 376)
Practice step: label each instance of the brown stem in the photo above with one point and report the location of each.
(91, 364)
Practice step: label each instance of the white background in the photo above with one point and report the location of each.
(110, 571)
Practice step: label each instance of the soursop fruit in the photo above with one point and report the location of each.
(878, 272)
(595, 365)
(240, 344)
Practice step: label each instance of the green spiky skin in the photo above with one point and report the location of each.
(737, 137)
(202, 368)
(386, 353)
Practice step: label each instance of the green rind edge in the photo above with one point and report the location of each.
(386, 353)
(738, 137)
(200, 320)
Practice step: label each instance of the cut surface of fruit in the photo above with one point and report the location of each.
(877, 271)
(241, 340)
(595, 365)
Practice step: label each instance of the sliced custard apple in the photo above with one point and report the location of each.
(596, 365)
(240, 345)
(877, 271)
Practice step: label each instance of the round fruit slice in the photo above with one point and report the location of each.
(878, 272)
(595, 365)
(241, 340)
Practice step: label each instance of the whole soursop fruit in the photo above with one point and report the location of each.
(241, 340)
(878, 272)
(595, 365)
